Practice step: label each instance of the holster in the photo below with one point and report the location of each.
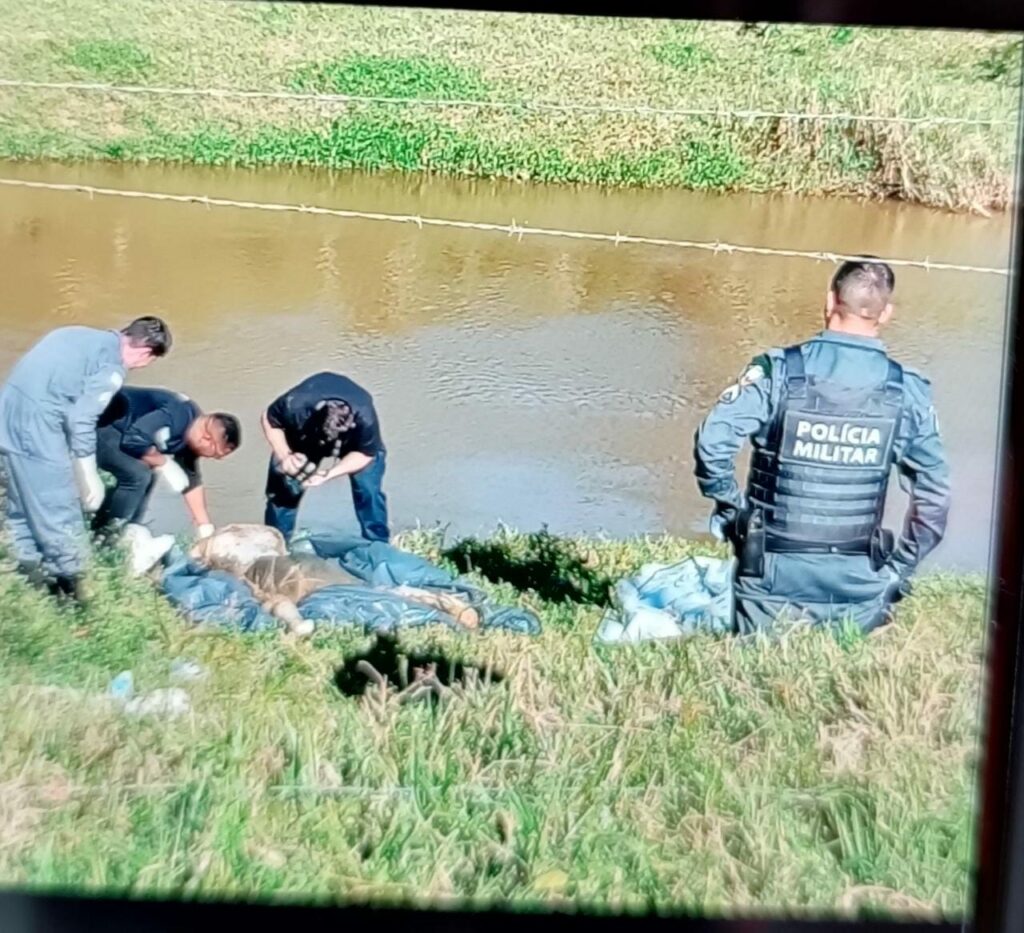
(883, 543)
(750, 543)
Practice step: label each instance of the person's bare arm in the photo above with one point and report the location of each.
(195, 499)
(275, 437)
(346, 466)
(288, 461)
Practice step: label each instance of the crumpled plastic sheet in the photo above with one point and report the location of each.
(375, 562)
(369, 607)
(664, 601)
(212, 597)
(216, 597)
(382, 565)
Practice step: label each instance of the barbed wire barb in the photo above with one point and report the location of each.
(513, 229)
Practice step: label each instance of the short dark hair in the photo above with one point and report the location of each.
(865, 285)
(150, 332)
(231, 427)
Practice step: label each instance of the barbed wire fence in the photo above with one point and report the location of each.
(511, 229)
(467, 103)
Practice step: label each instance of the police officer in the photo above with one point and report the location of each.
(49, 407)
(146, 434)
(325, 416)
(827, 421)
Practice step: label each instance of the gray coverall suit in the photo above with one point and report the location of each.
(826, 426)
(49, 406)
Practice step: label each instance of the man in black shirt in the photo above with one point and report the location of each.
(325, 416)
(145, 434)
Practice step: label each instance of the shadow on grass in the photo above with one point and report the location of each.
(384, 661)
(541, 562)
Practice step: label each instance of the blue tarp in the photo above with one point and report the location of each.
(693, 596)
(213, 596)
(383, 565)
(374, 610)
(375, 562)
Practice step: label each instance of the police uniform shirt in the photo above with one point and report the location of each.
(155, 418)
(293, 410)
(747, 409)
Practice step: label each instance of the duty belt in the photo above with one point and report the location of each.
(776, 545)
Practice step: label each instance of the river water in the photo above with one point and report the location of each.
(529, 381)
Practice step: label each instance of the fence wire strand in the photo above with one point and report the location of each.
(463, 103)
(512, 229)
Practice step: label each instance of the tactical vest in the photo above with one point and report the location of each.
(820, 482)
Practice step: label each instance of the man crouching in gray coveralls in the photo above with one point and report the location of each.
(828, 419)
(49, 407)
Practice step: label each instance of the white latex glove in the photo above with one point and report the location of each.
(173, 475)
(90, 486)
(205, 531)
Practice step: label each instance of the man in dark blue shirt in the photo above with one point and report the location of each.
(326, 416)
(146, 434)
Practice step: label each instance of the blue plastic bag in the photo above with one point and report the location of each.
(380, 564)
(213, 597)
(374, 609)
(216, 597)
(693, 596)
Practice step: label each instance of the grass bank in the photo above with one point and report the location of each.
(825, 773)
(421, 54)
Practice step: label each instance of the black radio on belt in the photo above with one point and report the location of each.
(883, 543)
(751, 542)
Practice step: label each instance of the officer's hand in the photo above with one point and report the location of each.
(899, 586)
(292, 464)
(205, 531)
(724, 526)
(317, 479)
(90, 486)
(717, 526)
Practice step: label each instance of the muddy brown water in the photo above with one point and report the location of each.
(533, 381)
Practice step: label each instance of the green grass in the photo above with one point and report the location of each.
(680, 54)
(381, 76)
(820, 773)
(438, 55)
(110, 60)
(1001, 64)
(384, 142)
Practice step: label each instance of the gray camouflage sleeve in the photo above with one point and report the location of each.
(924, 474)
(740, 412)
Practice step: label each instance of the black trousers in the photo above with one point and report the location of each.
(127, 503)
